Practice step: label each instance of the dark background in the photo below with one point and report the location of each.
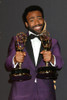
(55, 12)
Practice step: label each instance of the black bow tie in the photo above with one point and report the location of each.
(33, 36)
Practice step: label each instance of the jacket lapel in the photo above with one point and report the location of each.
(40, 55)
(29, 50)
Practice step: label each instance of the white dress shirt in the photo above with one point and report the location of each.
(36, 44)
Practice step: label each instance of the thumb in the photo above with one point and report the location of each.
(42, 52)
(24, 53)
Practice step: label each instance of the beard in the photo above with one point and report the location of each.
(32, 29)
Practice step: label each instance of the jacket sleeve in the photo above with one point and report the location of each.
(11, 52)
(56, 51)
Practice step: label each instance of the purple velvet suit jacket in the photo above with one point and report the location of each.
(29, 90)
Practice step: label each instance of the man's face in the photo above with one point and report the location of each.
(35, 21)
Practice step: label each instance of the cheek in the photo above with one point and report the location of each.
(41, 22)
(31, 24)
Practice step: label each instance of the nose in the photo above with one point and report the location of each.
(36, 22)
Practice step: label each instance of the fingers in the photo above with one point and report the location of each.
(46, 55)
(20, 56)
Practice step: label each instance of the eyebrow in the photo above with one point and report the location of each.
(33, 17)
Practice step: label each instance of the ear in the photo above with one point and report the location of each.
(26, 24)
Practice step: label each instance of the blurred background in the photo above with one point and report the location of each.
(55, 12)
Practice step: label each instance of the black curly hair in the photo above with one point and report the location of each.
(29, 9)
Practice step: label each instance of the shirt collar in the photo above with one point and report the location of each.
(32, 33)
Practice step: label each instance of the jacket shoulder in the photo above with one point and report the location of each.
(54, 41)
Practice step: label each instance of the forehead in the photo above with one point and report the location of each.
(34, 14)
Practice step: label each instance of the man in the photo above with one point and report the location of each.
(31, 57)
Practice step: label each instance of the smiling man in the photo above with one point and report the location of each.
(33, 57)
(35, 21)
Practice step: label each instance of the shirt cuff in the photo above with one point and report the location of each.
(54, 62)
(14, 63)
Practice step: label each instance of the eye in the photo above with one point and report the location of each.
(31, 20)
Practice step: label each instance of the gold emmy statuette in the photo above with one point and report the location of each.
(19, 73)
(47, 71)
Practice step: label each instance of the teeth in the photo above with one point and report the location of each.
(37, 28)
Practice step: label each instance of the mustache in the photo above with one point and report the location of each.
(37, 25)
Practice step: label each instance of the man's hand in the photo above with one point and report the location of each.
(47, 56)
(19, 57)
